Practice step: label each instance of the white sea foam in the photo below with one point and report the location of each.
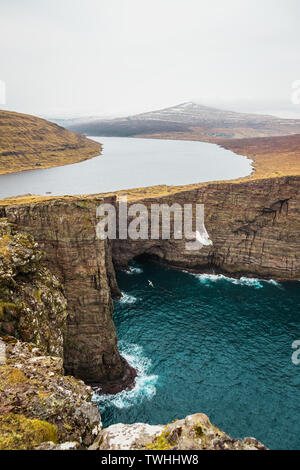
(134, 270)
(210, 279)
(145, 384)
(127, 299)
(274, 283)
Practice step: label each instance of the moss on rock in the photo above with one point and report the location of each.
(33, 385)
(161, 442)
(20, 433)
(32, 304)
(195, 432)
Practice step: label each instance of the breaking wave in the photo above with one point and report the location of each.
(210, 279)
(134, 270)
(145, 384)
(127, 299)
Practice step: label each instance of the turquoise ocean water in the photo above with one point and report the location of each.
(211, 344)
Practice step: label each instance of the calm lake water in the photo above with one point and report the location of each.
(131, 163)
(211, 344)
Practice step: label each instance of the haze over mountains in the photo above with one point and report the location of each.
(187, 120)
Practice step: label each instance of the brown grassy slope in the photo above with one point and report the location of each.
(272, 156)
(26, 141)
(213, 133)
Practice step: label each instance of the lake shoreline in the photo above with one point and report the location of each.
(131, 163)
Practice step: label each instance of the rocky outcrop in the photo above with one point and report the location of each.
(39, 404)
(127, 436)
(32, 304)
(195, 432)
(65, 231)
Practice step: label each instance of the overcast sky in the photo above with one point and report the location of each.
(107, 57)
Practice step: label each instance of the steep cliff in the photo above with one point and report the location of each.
(65, 231)
(254, 226)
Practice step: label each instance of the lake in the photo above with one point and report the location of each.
(131, 163)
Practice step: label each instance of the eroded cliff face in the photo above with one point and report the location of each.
(65, 231)
(254, 226)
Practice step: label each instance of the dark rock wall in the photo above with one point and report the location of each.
(65, 231)
(254, 226)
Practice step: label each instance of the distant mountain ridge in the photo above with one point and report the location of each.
(192, 112)
(190, 120)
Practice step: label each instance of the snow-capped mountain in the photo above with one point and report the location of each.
(192, 112)
(206, 122)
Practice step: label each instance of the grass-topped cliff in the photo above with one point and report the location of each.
(28, 142)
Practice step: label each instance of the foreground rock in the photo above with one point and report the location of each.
(126, 436)
(195, 432)
(38, 404)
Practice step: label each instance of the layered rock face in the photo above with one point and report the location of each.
(254, 226)
(195, 432)
(65, 231)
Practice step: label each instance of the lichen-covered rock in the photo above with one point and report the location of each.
(126, 436)
(32, 385)
(195, 432)
(32, 305)
(50, 445)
